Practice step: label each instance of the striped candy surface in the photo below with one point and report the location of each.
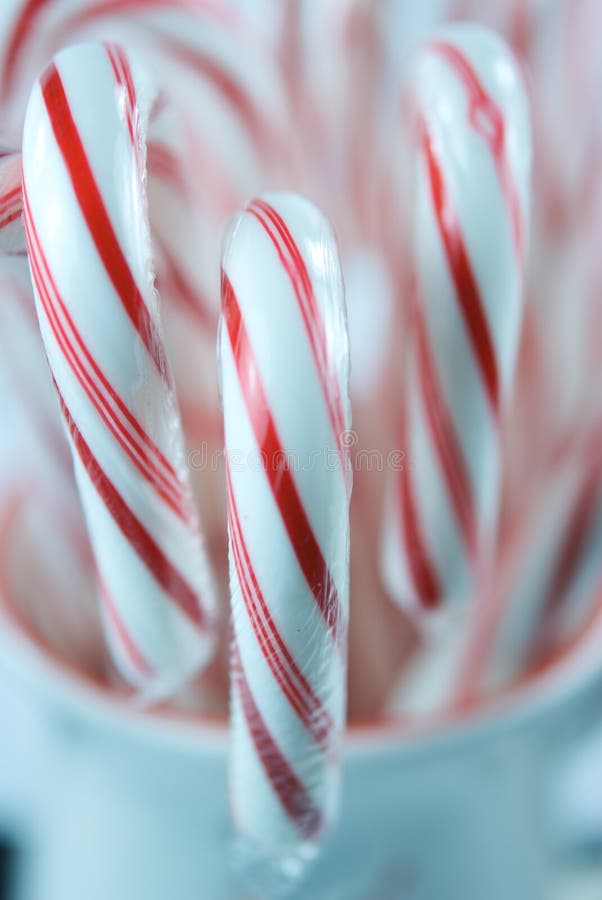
(90, 259)
(284, 369)
(472, 150)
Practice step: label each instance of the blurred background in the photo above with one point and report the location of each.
(69, 744)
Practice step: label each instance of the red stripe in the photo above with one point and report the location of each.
(567, 560)
(123, 76)
(226, 85)
(143, 544)
(115, 65)
(11, 217)
(106, 8)
(24, 28)
(487, 119)
(444, 437)
(11, 203)
(165, 482)
(98, 402)
(22, 31)
(161, 459)
(128, 82)
(294, 685)
(124, 637)
(10, 195)
(578, 529)
(292, 793)
(318, 730)
(284, 490)
(94, 211)
(181, 289)
(125, 80)
(295, 268)
(258, 626)
(467, 291)
(163, 163)
(424, 575)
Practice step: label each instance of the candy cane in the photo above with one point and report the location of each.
(473, 162)
(284, 363)
(220, 75)
(89, 253)
(552, 585)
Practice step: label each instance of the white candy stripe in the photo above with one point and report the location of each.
(99, 319)
(278, 656)
(473, 161)
(280, 778)
(112, 410)
(253, 493)
(289, 581)
(292, 261)
(453, 374)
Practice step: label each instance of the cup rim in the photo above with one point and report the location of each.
(543, 696)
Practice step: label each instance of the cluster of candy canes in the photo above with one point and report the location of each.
(90, 258)
(216, 131)
(283, 337)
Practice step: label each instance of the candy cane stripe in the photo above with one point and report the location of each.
(444, 438)
(291, 791)
(156, 590)
(145, 546)
(287, 527)
(95, 213)
(106, 401)
(125, 639)
(472, 156)
(487, 118)
(224, 84)
(423, 575)
(294, 265)
(467, 292)
(183, 290)
(294, 517)
(296, 687)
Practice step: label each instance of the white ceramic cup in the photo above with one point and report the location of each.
(134, 805)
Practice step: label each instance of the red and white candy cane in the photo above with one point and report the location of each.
(473, 156)
(284, 368)
(90, 258)
(220, 75)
